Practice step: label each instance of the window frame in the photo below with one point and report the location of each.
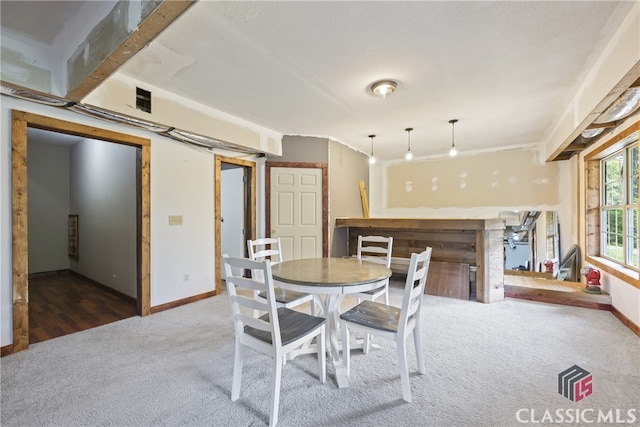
(592, 204)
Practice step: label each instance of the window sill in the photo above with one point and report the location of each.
(625, 274)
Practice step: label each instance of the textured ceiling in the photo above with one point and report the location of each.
(505, 69)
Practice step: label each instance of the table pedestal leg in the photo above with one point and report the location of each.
(332, 311)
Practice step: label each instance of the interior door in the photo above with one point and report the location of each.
(232, 199)
(296, 211)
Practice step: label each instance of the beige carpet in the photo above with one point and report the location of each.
(486, 365)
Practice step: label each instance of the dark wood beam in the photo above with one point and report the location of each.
(154, 24)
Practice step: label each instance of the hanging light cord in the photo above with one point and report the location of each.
(453, 137)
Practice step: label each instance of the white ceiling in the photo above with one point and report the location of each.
(505, 69)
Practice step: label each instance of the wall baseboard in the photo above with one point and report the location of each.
(178, 303)
(626, 321)
(6, 350)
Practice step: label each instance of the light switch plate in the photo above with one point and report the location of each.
(175, 219)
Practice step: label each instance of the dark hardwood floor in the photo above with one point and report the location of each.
(62, 302)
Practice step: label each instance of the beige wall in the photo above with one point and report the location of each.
(118, 93)
(347, 168)
(509, 178)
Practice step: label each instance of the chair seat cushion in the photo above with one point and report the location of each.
(374, 315)
(283, 296)
(293, 325)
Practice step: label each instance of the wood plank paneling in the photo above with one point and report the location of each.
(447, 245)
(470, 242)
(448, 279)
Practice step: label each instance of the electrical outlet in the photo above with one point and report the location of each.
(175, 219)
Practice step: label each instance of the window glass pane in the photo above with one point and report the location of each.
(632, 237)
(613, 168)
(613, 189)
(612, 245)
(613, 194)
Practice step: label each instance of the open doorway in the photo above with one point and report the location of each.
(21, 123)
(235, 208)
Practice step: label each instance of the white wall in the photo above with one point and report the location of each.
(48, 206)
(182, 183)
(103, 195)
(182, 257)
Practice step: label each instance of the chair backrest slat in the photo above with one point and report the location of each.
(414, 288)
(254, 322)
(239, 286)
(265, 248)
(250, 302)
(379, 253)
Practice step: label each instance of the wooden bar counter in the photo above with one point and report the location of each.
(458, 245)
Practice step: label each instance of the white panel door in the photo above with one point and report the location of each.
(296, 211)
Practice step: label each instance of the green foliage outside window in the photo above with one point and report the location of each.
(619, 225)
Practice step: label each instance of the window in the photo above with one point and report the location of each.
(619, 206)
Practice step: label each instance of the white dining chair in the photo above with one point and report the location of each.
(391, 322)
(276, 332)
(269, 248)
(375, 249)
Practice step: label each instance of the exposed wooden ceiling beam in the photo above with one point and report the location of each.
(167, 12)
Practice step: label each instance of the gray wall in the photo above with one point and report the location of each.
(48, 206)
(103, 192)
(303, 149)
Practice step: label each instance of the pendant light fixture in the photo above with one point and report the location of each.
(453, 152)
(409, 155)
(372, 159)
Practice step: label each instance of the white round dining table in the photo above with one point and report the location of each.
(331, 279)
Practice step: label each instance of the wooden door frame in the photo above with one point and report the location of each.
(325, 197)
(20, 121)
(250, 208)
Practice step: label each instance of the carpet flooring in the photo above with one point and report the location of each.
(486, 365)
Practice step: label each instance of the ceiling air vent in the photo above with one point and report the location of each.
(143, 100)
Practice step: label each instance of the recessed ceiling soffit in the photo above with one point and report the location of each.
(620, 103)
(181, 135)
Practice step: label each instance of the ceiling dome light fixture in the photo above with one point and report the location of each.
(372, 159)
(453, 152)
(408, 156)
(383, 87)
